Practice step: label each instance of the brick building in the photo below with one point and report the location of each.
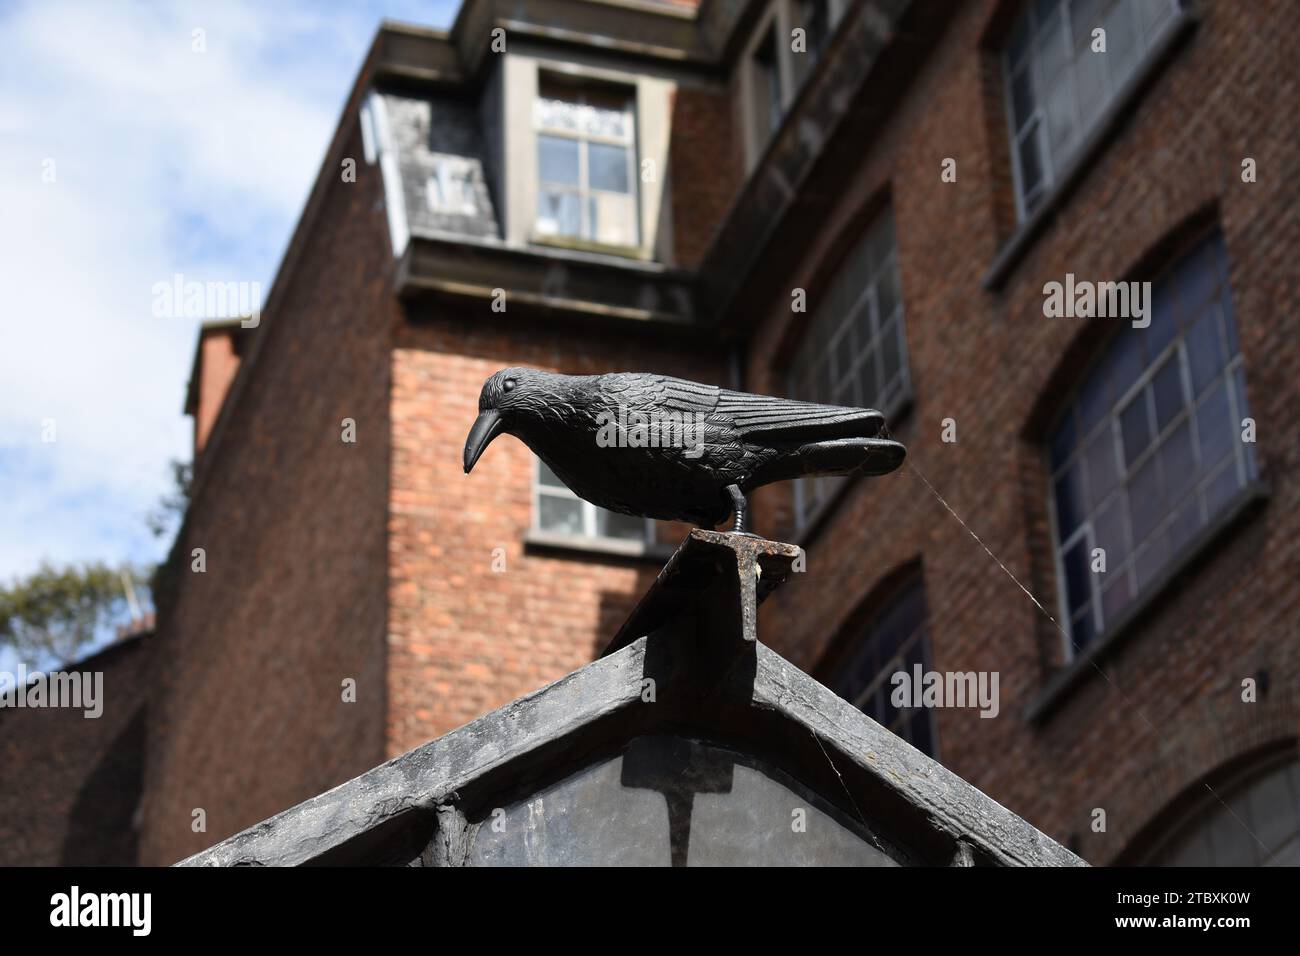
(860, 202)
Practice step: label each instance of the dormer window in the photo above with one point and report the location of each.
(586, 164)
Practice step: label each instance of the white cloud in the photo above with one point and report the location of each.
(166, 160)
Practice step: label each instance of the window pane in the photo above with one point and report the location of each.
(1222, 489)
(1167, 389)
(613, 122)
(557, 160)
(1204, 351)
(891, 358)
(886, 282)
(1064, 440)
(1078, 576)
(1135, 427)
(1103, 470)
(558, 213)
(1090, 84)
(561, 515)
(1059, 109)
(1126, 362)
(611, 524)
(1031, 167)
(1198, 279)
(608, 167)
(584, 111)
(1179, 463)
(1070, 506)
(1146, 502)
(864, 330)
(1123, 43)
(1022, 98)
(611, 218)
(1164, 322)
(1094, 399)
(767, 86)
(1109, 531)
(554, 113)
(1214, 426)
(1083, 19)
(1154, 13)
(1019, 44)
(1050, 53)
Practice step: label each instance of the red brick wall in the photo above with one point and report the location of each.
(70, 786)
(706, 168)
(989, 360)
(217, 365)
(252, 653)
(463, 639)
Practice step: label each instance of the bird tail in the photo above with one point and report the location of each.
(840, 456)
(843, 456)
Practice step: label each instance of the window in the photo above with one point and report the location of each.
(1256, 824)
(559, 511)
(815, 17)
(854, 352)
(1057, 87)
(896, 639)
(1150, 451)
(586, 163)
(451, 189)
(768, 92)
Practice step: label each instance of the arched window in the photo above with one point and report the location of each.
(1250, 819)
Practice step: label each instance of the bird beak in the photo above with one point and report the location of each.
(487, 427)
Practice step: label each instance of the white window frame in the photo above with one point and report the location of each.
(583, 189)
(590, 513)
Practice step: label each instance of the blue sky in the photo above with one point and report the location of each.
(165, 160)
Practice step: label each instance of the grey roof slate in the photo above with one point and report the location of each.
(441, 158)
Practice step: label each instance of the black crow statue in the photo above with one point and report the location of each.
(662, 447)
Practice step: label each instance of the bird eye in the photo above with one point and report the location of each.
(509, 385)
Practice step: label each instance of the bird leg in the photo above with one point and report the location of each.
(738, 502)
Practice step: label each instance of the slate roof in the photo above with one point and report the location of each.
(440, 138)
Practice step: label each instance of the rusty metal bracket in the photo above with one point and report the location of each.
(712, 585)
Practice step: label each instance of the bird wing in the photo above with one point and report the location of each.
(774, 417)
(741, 412)
(683, 396)
(650, 391)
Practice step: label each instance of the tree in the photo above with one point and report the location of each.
(170, 510)
(49, 616)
